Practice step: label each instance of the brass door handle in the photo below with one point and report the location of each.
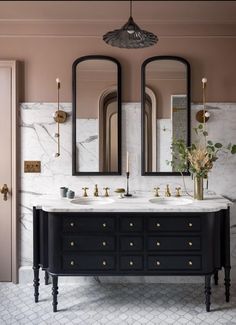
(4, 191)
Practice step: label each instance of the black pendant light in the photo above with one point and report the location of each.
(130, 36)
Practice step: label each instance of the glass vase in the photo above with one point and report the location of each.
(198, 188)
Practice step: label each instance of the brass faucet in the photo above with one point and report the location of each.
(95, 193)
(85, 191)
(106, 189)
(156, 193)
(178, 191)
(167, 191)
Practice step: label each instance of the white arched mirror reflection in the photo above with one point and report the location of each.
(165, 111)
(96, 116)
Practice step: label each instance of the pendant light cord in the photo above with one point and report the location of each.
(130, 8)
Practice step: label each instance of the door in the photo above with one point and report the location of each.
(7, 171)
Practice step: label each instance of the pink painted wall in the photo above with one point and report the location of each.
(163, 90)
(48, 47)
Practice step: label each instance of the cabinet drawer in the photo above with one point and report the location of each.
(88, 262)
(131, 263)
(88, 224)
(130, 224)
(174, 224)
(174, 262)
(131, 243)
(89, 243)
(159, 243)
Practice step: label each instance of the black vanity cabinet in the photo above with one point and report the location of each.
(93, 244)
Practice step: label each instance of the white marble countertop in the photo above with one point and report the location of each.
(211, 203)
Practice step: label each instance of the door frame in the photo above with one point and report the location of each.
(13, 65)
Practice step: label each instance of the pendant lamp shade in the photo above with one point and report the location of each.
(130, 36)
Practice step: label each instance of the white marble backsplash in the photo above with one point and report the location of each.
(37, 143)
(87, 145)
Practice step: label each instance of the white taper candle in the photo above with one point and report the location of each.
(127, 162)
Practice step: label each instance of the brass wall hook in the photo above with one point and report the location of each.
(5, 191)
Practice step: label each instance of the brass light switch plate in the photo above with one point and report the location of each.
(32, 166)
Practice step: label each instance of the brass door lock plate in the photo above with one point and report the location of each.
(32, 166)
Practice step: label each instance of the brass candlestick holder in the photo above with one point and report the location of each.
(127, 194)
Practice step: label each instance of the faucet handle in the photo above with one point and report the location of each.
(178, 191)
(85, 191)
(156, 189)
(106, 189)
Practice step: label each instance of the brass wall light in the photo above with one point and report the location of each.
(203, 115)
(59, 116)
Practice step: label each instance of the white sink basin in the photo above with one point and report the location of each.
(170, 201)
(92, 201)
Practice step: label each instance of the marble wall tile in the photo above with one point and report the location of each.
(37, 143)
(87, 145)
(164, 138)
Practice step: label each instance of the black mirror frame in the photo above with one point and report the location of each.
(143, 82)
(75, 63)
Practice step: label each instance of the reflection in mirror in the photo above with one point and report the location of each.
(96, 116)
(165, 111)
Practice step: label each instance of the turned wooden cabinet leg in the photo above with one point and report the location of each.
(208, 292)
(46, 277)
(227, 283)
(216, 278)
(54, 292)
(36, 283)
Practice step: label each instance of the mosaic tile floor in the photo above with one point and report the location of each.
(116, 304)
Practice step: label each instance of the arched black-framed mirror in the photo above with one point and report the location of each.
(166, 111)
(96, 116)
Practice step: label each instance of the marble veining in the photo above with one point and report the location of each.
(87, 145)
(37, 143)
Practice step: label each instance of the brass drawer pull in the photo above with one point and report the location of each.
(158, 243)
(190, 243)
(104, 225)
(190, 263)
(131, 244)
(104, 263)
(158, 263)
(72, 263)
(131, 263)
(72, 224)
(72, 243)
(158, 225)
(190, 224)
(131, 224)
(104, 243)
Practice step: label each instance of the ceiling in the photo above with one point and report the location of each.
(209, 12)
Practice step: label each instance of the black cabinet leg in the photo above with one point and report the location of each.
(208, 292)
(36, 283)
(46, 277)
(36, 253)
(227, 283)
(216, 278)
(54, 292)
